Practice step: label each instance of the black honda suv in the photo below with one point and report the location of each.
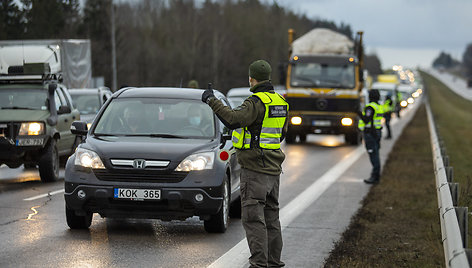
(153, 153)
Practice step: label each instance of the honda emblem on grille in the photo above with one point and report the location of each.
(139, 163)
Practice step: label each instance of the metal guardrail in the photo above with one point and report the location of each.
(454, 237)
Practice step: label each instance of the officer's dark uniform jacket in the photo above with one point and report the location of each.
(251, 115)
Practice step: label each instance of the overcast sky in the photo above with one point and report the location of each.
(407, 32)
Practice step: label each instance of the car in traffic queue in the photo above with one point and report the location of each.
(36, 113)
(89, 100)
(154, 153)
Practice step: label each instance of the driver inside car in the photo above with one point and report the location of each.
(199, 122)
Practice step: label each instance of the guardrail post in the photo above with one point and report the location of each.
(468, 253)
(454, 188)
(449, 174)
(446, 160)
(462, 218)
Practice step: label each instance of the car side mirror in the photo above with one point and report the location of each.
(63, 109)
(224, 138)
(79, 128)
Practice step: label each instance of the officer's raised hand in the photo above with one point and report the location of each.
(207, 94)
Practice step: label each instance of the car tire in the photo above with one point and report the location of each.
(218, 223)
(49, 163)
(78, 222)
(235, 209)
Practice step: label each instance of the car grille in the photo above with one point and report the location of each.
(9, 130)
(130, 176)
(321, 104)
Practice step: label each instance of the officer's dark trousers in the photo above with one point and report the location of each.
(388, 117)
(372, 144)
(260, 217)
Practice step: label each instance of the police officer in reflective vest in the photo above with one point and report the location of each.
(370, 124)
(259, 124)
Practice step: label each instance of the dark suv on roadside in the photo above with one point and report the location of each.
(154, 153)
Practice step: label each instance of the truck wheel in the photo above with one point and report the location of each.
(219, 222)
(353, 138)
(49, 163)
(235, 209)
(78, 222)
(302, 138)
(290, 138)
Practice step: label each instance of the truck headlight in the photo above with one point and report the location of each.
(198, 161)
(296, 120)
(88, 159)
(346, 121)
(32, 128)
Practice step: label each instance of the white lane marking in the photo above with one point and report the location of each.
(238, 255)
(44, 195)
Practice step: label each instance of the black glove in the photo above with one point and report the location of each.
(207, 94)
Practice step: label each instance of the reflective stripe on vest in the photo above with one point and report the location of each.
(377, 118)
(276, 111)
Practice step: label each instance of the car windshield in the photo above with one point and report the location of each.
(320, 75)
(20, 98)
(157, 117)
(87, 104)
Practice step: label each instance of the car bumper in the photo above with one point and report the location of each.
(12, 152)
(175, 202)
(323, 124)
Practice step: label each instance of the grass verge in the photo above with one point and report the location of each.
(398, 224)
(453, 117)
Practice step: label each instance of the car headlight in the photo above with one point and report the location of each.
(88, 159)
(198, 161)
(32, 128)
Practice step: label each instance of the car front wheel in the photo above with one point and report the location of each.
(49, 163)
(218, 223)
(78, 222)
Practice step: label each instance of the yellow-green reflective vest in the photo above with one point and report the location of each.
(387, 106)
(276, 111)
(377, 119)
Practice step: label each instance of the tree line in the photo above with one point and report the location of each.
(446, 61)
(168, 42)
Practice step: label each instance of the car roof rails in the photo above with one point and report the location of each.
(37, 73)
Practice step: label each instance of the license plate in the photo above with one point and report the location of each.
(321, 123)
(137, 194)
(29, 142)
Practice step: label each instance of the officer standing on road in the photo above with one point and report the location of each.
(398, 100)
(371, 125)
(259, 124)
(387, 109)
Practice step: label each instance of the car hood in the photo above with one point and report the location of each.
(174, 150)
(12, 115)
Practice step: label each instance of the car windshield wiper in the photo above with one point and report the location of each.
(17, 108)
(156, 136)
(103, 134)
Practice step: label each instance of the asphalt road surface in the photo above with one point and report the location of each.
(321, 188)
